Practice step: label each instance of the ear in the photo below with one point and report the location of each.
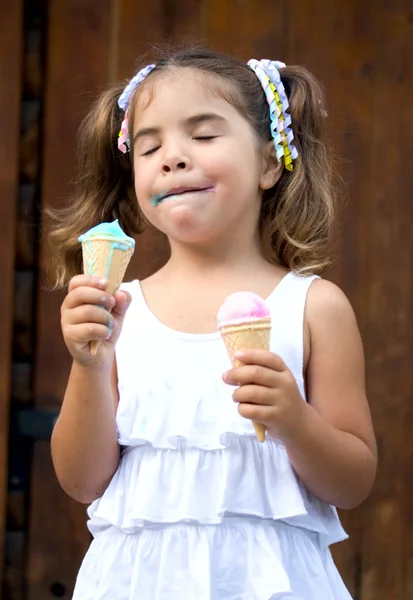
(271, 168)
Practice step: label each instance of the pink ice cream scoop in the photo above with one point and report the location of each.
(244, 322)
(242, 307)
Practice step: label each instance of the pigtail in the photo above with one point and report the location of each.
(298, 212)
(104, 188)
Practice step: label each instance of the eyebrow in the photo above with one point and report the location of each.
(190, 121)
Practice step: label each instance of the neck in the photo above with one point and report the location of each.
(218, 260)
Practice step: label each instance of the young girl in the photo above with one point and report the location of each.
(228, 160)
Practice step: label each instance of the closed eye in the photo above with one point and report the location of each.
(201, 138)
(151, 151)
(205, 138)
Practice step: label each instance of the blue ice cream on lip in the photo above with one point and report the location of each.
(113, 230)
(157, 199)
(169, 195)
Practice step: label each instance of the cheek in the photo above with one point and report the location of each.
(225, 166)
(143, 176)
(237, 160)
(238, 173)
(142, 193)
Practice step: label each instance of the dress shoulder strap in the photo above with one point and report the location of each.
(287, 305)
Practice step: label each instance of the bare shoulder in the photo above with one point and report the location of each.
(335, 346)
(329, 319)
(326, 301)
(329, 316)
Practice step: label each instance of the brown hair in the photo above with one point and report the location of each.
(296, 214)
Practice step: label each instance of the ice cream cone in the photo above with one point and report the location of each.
(249, 335)
(106, 251)
(102, 257)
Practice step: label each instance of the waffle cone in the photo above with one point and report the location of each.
(250, 335)
(102, 259)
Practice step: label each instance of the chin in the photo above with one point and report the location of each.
(194, 237)
(188, 226)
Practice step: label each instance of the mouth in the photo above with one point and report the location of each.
(180, 191)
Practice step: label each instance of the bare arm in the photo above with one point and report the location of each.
(334, 453)
(85, 449)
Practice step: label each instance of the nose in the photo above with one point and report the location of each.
(171, 165)
(175, 158)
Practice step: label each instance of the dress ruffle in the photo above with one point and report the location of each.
(241, 559)
(187, 484)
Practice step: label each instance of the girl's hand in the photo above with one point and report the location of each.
(267, 392)
(85, 316)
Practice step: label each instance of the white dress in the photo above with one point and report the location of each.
(199, 509)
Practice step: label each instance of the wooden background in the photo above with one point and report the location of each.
(54, 56)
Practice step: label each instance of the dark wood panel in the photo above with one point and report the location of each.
(58, 534)
(25, 243)
(23, 315)
(77, 65)
(389, 307)
(13, 582)
(10, 94)
(138, 26)
(248, 29)
(186, 21)
(344, 68)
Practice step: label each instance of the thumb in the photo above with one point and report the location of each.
(123, 301)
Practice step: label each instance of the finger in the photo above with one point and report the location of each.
(254, 412)
(254, 394)
(252, 374)
(88, 280)
(264, 358)
(123, 300)
(87, 332)
(89, 313)
(88, 295)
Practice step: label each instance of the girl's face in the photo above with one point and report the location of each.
(199, 170)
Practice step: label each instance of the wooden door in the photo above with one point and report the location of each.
(363, 53)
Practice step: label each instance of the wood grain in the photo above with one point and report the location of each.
(389, 304)
(10, 96)
(344, 69)
(77, 66)
(248, 29)
(185, 21)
